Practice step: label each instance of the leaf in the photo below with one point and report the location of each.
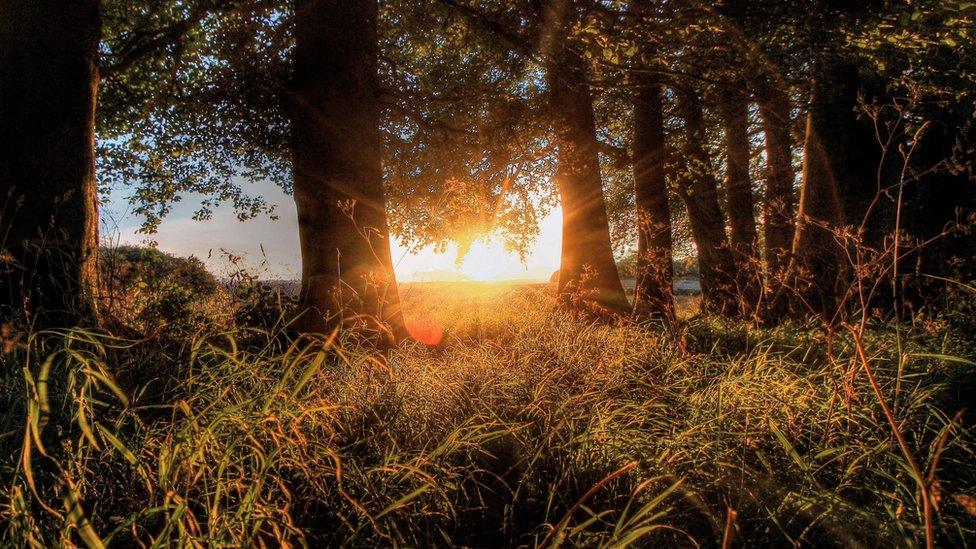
(945, 358)
(77, 518)
(404, 500)
(309, 372)
(114, 441)
(785, 443)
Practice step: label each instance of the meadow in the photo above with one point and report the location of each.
(507, 422)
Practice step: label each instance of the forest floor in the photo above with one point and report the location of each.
(516, 424)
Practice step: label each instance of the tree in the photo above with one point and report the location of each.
(744, 239)
(698, 189)
(468, 154)
(842, 170)
(586, 265)
(778, 200)
(347, 270)
(191, 104)
(818, 257)
(654, 292)
(49, 219)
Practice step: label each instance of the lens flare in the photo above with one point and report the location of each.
(425, 330)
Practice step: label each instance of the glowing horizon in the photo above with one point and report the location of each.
(487, 260)
(270, 247)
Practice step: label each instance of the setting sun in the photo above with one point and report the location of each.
(487, 260)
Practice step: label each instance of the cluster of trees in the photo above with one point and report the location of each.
(443, 120)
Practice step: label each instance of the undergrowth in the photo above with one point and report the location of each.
(517, 425)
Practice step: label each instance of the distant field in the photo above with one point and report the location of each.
(682, 286)
(415, 294)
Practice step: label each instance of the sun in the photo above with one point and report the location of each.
(487, 261)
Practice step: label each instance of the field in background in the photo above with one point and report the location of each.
(516, 425)
(485, 297)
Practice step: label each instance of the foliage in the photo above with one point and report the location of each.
(157, 293)
(465, 136)
(191, 104)
(526, 426)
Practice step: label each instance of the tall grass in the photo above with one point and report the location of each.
(525, 426)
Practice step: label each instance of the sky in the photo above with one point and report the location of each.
(270, 247)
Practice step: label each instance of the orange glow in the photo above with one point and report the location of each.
(487, 259)
(425, 330)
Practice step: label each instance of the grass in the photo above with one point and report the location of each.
(519, 425)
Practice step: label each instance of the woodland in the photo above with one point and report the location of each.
(815, 160)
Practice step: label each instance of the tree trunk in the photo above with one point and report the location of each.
(778, 216)
(49, 209)
(699, 190)
(739, 203)
(817, 257)
(778, 200)
(347, 271)
(851, 144)
(654, 293)
(587, 268)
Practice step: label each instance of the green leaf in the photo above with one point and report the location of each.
(114, 441)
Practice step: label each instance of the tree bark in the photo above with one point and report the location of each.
(587, 268)
(654, 293)
(699, 190)
(347, 270)
(853, 149)
(818, 259)
(778, 200)
(49, 208)
(739, 202)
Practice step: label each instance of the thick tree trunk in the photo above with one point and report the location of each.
(699, 190)
(840, 183)
(49, 209)
(818, 259)
(347, 271)
(654, 293)
(851, 144)
(739, 202)
(778, 200)
(587, 268)
(842, 186)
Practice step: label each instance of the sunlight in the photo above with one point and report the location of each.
(490, 261)
(486, 261)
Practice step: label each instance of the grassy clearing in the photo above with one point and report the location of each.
(523, 426)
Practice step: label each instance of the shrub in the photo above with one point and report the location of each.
(156, 293)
